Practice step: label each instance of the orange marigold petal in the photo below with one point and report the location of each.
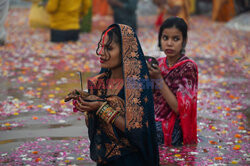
(218, 158)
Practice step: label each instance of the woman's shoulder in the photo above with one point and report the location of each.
(189, 67)
(188, 62)
(191, 63)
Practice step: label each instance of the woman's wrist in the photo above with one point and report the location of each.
(107, 113)
(101, 105)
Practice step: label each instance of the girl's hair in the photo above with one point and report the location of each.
(113, 34)
(176, 22)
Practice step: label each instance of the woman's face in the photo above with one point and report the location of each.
(171, 41)
(110, 56)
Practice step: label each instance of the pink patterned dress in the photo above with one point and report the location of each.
(182, 79)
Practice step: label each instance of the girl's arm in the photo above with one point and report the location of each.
(168, 95)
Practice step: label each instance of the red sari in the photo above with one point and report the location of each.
(182, 79)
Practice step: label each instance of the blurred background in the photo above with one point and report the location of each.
(42, 48)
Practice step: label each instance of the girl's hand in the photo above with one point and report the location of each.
(85, 106)
(154, 72)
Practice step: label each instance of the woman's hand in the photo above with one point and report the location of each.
(74, 94)
(154, 72)
(83, 105)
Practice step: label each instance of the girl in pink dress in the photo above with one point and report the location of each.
(175, 97)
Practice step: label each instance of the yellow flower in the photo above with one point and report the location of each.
(52, 112)
(177, 155)
(236, 147)
(7, 124)
(51, 96)
(234, 162)
(219, 107)
(213, 128)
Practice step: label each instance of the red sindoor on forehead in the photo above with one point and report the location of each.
(103, 38)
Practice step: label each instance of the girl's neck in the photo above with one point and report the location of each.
(173, 60)
(116, 73)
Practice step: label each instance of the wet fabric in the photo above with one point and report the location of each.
(182, 79)
(133, 159)
(160, 135)
(177, 137)
(135, 103)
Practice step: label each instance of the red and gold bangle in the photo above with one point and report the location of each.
(115, 117)
(100, 109)
(107, 113)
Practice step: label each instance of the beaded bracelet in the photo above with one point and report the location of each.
(107, 113)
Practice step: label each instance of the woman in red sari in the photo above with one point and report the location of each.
(175, 97)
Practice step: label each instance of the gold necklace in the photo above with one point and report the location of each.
(169, 64)
(172, 64)
(114, 86)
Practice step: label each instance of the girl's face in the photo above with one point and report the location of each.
(171, 41)
(110, 57)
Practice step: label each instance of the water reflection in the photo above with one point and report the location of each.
(36, 112)
(35, 138)
(38, 128)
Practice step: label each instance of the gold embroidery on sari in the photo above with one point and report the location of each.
(118, 104)
(99, 159)
(114, 152)
(125, 142)
(95, 83)
(107, 129)
(98, 147)
(134, 111)
(98, 132)
(132, 68)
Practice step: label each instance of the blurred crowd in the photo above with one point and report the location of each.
(66, 19)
